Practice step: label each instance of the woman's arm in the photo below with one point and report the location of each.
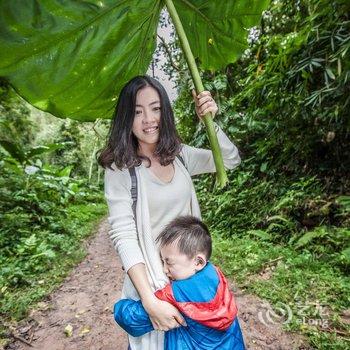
(200, 161)
(121, 217)
(162, 314)
(125, 240)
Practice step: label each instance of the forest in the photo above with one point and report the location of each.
(281, 227)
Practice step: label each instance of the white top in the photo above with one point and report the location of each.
(166, 200)
(138, 246)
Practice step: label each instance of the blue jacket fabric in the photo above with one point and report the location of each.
(199, 288)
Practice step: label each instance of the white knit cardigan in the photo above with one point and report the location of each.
(137, 245)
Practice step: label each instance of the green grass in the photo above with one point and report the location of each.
(82, 221)
(316, 292)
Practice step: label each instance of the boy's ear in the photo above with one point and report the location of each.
(201, 261)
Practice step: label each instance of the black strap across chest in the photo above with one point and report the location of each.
(133, 191)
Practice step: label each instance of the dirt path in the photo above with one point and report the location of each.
(85, 302)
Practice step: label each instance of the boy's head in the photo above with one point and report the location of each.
(185, 247)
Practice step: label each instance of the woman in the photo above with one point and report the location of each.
(143, 136)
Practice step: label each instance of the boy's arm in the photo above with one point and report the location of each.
(132, 317)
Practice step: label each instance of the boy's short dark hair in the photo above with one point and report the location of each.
(192, 234)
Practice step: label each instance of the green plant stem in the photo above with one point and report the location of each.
(213, 140)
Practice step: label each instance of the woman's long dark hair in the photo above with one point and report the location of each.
(122, 145)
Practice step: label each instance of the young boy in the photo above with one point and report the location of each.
(197, 288)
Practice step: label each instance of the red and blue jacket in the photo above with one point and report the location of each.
(205, 302)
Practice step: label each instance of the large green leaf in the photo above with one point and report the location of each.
(217, 30)
(14, 150)
(38, 150)
(71, 58)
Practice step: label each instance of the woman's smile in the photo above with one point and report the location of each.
(151, 130)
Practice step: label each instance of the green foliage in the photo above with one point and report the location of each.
(281, 227)
(314, 290)
(39, 261)
(217, 30)
(70, 134)
(39, 228)
(267, 99)
(293, 169)
(24, 157)
(31, 205)
(82, 141)
(45, 211)
(15, 123)
(90, 49)
(296, 108)
(85, 47)
(298, 214)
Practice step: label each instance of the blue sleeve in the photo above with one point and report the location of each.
(132, 317)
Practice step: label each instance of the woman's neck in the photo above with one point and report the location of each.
(147, 150)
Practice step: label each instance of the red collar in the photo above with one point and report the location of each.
(219, 313)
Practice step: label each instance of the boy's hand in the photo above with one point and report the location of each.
(163, 315)
(204, 104)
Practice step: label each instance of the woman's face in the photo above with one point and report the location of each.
(147, 116)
